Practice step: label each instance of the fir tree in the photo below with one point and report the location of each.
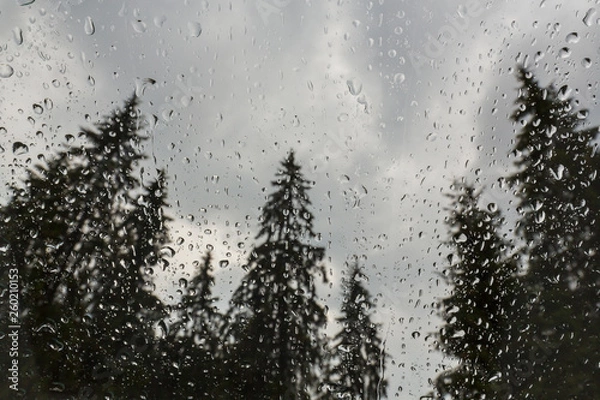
(80, 230)
(194, 342)
(479, 311)
(559, 202)
(359, 355)
(274, 336)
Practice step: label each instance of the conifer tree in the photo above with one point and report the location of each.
(275, 323)
(358, 352)
(80, 230)
(479, 311)
(194, 341)
(558, 190)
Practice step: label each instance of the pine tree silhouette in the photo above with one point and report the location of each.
(559, 202)
(358, 351)
(274, 334)
(80, 230)
(478, 314)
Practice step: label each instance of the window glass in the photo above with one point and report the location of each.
(285, 199)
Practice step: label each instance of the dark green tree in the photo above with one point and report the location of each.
(558, 190)
(194, 342)
(358, 359)
(479, 311)
(274, 337)
(81, 231)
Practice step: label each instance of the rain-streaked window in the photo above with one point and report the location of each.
(287, 199)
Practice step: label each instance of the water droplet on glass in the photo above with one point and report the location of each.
(589, 16)
(89, 26)
(20, 148)
(572, 37)
(354, 86)
(138, 25)
(431, 137)
(141, 84)
(195, 29)
(183, 283)
(540, 217)
(399, 78)
(38, 109)
(564, 92)
(342, 117)
(565, 52)
(416, 334)
(6, 71)
(586, 62)
(48, 103)
(224, 263)
(25, 2)
(18, 36)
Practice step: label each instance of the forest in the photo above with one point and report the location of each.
(82, 238)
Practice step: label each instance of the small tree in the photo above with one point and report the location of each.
(359, 355)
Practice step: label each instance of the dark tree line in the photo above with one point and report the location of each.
(533, 334)
(86, 234)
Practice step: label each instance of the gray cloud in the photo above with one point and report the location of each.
(232, 86)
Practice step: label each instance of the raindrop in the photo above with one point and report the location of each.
(25, 2)
(56, 345)
(167, 251)
(565, 52)
(586, 62)
(399, 78)
(224, 263)
(564, 92)
(589, 16)
(559, 173)
(572, 37)
(183, 283)
(38, 109)
(431, 137)
(354, 86)
(492, 207)
(342, 117)
(48, 103)
(195, 29)
(540, 217)
(20, 148)
(416, 334)
(461, 238)
(18, 36)
(89, 26)
(141, 84)
(6, 71)
(138, 25)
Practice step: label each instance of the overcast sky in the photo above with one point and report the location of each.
(385, 103)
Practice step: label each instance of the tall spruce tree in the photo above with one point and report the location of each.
(79, 231)
(274, 336)
(358, 352)
(479, 311)
(558, 189)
